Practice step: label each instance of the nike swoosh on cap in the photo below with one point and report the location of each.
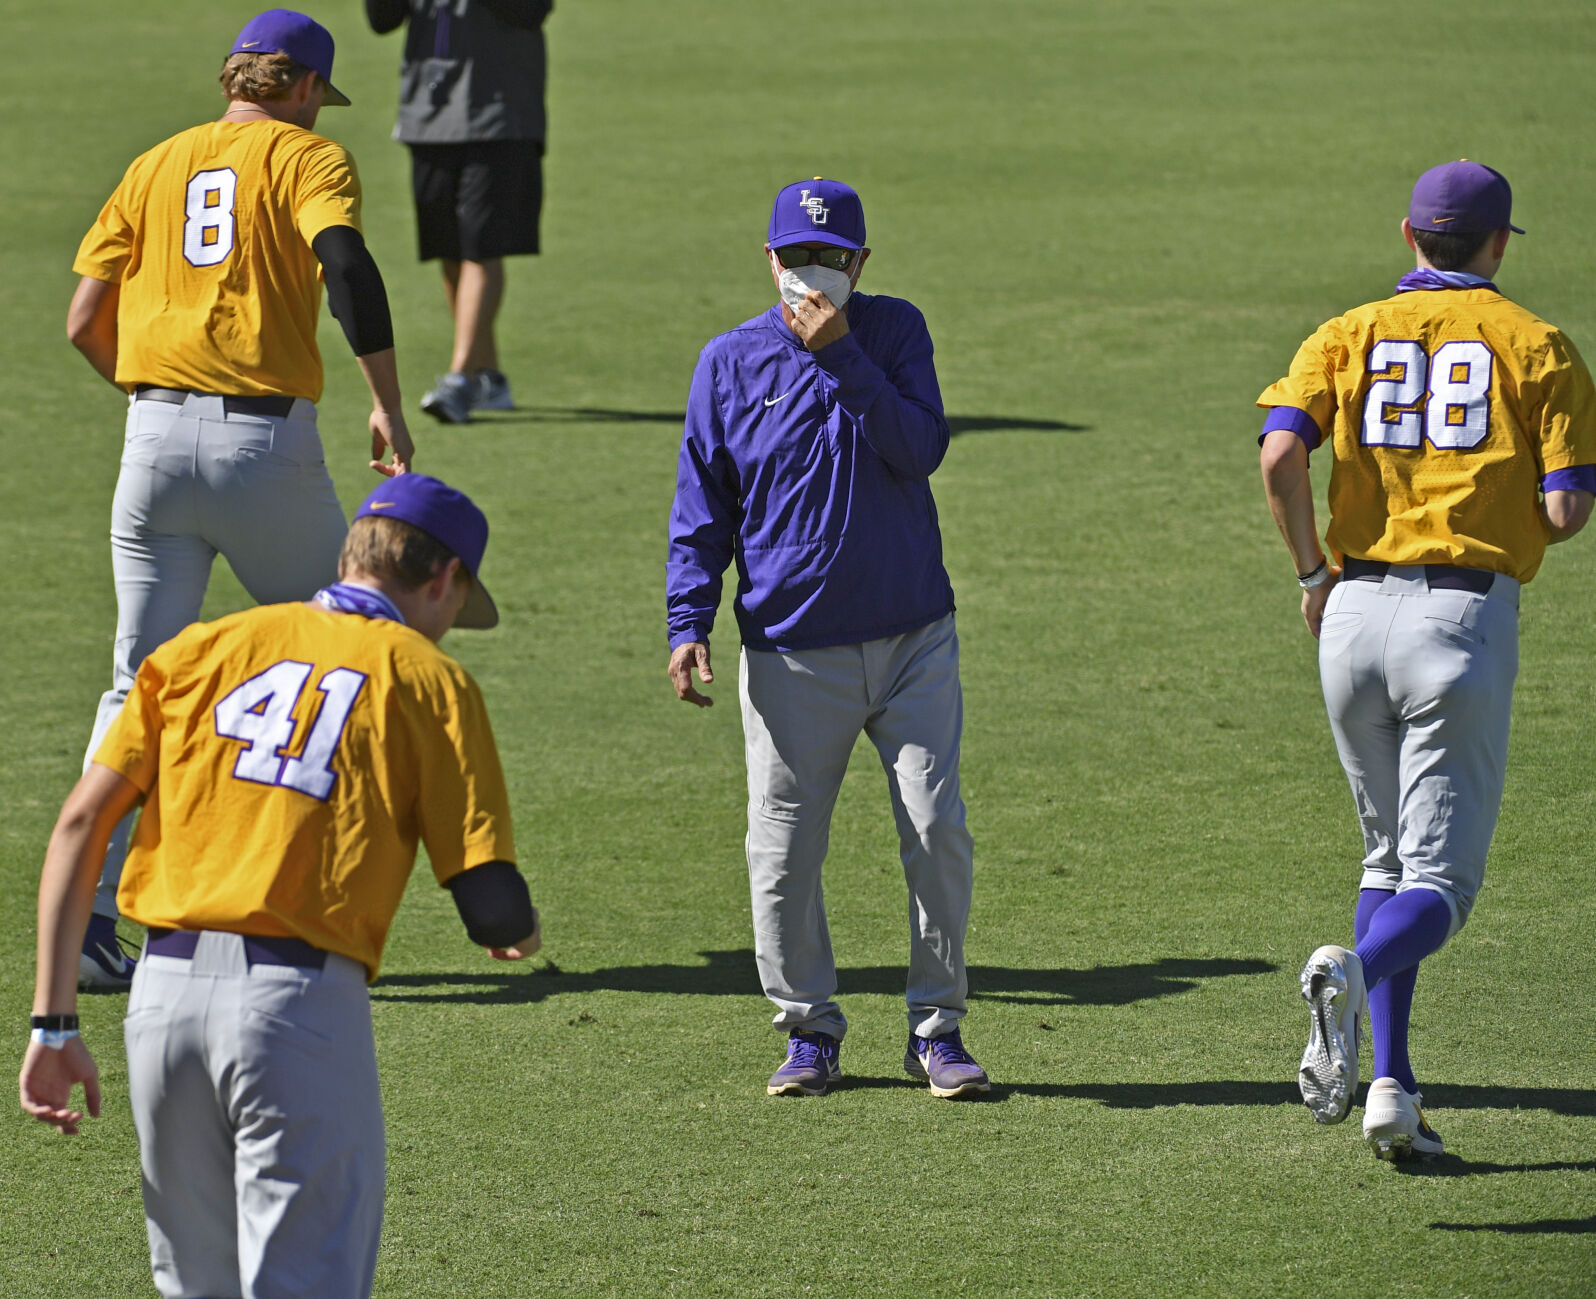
(248, 45)
(380, 505)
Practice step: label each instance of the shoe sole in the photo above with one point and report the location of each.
(795, 1089)
(442, 414)
(92, 976)
(1326, 1078)
(968, 1088)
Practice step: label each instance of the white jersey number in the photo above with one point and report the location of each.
(260, 713)
(208, 223)
(1445, 398)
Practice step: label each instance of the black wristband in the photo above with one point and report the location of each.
(53, 1023)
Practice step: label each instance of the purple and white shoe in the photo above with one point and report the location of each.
(946, 1065)
(812, 1065)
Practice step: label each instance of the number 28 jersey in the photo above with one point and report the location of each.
(291, 757)
(1445, 408)
(209, 237)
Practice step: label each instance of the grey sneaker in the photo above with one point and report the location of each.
(491, 391)
(1394, 1125)
(449, 401)
(812, 1065)
(1332, 985)
(946, 1065)
(103, 964)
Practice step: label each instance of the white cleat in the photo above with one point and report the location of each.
(1332, 985)
(1394, 1125)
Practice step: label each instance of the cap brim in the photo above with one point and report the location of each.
(479, 612)
(1518, 230)
(812, 235)
(334, 98)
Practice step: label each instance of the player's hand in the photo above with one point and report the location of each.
(388, 432)
(1313, 601)
(48, 1077)
(684, 658)
(528, 945)
(817, 322)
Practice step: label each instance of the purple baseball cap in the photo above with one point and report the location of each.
(304, 40)
(817, 212)
(1462, 198)
(447, 516)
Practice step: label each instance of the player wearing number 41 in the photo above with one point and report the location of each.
(288, 759)
(200, 290)
(1462, 431)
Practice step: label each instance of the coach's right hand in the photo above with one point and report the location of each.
(388, 431)
(683, 660)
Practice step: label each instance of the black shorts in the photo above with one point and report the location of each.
(477, 200)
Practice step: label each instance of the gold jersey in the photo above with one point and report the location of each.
(291, 757)
(209, 237)
(1444, 409)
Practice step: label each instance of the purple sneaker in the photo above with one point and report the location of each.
(946, 1065)
(811, 1065)
(103, 964)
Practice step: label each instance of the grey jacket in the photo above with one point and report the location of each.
(472, 70)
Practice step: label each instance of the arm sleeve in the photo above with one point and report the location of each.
(132, 747)
(1309, 388)
(105, 250)
(326, 189)
(355, 292)
(386, 15)
(494, 904)
(704, 516)
(1298, 421)
(898, 409)
(1565, 426)
(516, 13)
(464, 808)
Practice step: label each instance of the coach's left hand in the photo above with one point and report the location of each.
(48, 1076)
(388, 431)
(817, 322)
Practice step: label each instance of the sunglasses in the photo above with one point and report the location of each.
(835, 259)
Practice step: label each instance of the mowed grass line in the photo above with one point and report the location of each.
(1119, 221)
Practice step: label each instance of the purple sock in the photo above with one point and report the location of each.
(1395, 931)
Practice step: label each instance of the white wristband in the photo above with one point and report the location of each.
(54, 1038)
(1319, 576)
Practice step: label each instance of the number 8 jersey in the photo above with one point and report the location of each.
(291, 757)
(209, 237)
(1445, 408)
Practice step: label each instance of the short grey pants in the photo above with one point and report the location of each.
(197, 481)
(1419, 687)
(254, 1093)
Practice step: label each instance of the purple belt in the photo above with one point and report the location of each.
(181, 943)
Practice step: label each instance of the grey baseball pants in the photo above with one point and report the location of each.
(1419, 687)
(196, 481)
(802, 714)
(254, 1094)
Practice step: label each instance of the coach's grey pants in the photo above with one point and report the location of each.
(196, 481)
(1419, 687)
(254, 1093)
(802, 714)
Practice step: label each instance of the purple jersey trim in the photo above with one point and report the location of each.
(1581, 478)
(1298, 421)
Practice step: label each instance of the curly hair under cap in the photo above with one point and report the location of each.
(257, 78)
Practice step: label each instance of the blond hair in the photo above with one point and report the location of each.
(393, 551)
(260, 77)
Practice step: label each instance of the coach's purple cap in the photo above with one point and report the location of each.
(1463, 197)
(304, 40)
(447, 516)
(817, 212)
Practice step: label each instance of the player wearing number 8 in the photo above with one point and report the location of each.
(289, 758)
(1462, 431)
(201, 284)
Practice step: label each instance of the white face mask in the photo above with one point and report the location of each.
(795, 284)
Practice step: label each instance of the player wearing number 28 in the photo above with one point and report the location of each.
(1462, 436)
(201, 283)
(288, 759)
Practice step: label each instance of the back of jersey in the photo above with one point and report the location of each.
(209, 237)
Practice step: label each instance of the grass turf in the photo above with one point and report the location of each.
(1119, 221)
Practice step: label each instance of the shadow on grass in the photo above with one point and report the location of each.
(1452, 1166)
(957, 424)
(732, 973)
(1548, 1226)
(1158, 1095)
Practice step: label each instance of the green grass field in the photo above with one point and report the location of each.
(1119, 220)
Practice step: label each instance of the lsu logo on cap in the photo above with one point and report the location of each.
(816, 207)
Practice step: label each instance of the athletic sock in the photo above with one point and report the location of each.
(1395, 931)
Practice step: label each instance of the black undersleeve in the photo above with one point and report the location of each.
(355, 292)
(494, 903)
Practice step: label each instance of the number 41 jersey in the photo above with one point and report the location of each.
(1445, 409)
(209, 237)
(291, 757)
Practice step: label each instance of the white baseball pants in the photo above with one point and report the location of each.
(802, 714)
(254, 1093)
(196, 481)
(1419, 687)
